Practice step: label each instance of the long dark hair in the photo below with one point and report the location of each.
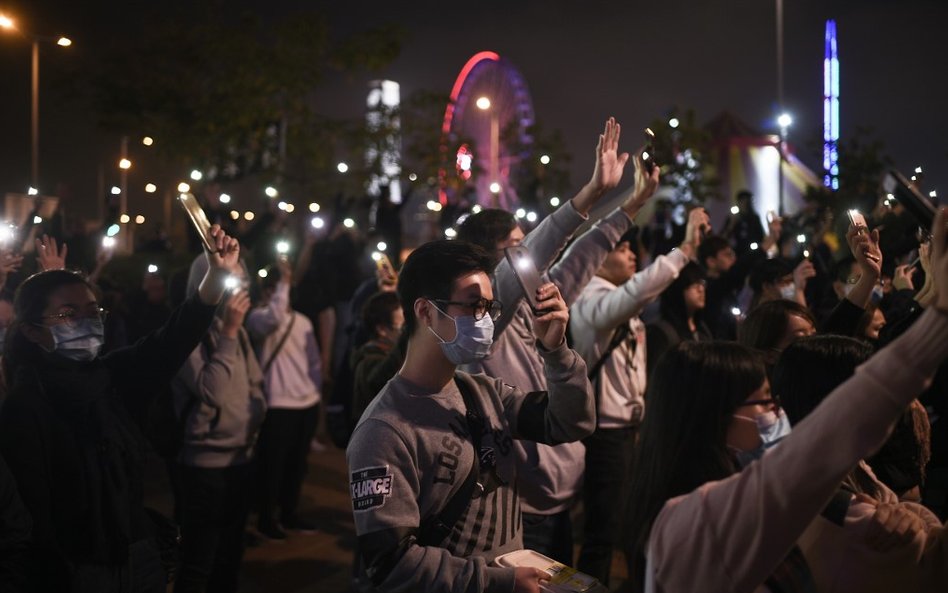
(693, 392)
(31, 299)
(808, 371)
(672, 306)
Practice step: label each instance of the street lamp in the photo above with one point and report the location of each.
(784, 121)
(483, 103)
(8, 24)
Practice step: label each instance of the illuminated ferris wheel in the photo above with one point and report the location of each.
(485, 130)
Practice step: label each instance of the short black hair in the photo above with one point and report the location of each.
(430, 272)
(810, 368)
(378, 310)
(710, 247)
(768, 272)
(487, 228)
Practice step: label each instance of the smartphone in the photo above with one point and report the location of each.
(648, 154)
(526, 272)
(198, 220)
(384, 264)
(857, 219)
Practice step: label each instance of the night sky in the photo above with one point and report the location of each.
(583, 62)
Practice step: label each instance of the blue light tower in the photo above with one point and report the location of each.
(831, 109)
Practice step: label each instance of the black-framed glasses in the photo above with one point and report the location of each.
(72, 317)
(479, 308)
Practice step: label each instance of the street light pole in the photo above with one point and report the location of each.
(784, 121)
(34, 118)
(494, 151)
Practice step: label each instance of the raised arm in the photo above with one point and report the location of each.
(580, 262)
(547, 240)
(159, 355)
(263, 321)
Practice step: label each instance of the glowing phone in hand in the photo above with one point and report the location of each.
(521, 262)
(198, 220)
(648, 155)
(857, 219)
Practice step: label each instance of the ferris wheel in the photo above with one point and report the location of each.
(485, 130)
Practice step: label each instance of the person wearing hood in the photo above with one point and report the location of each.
(67, 434)
(218, 394)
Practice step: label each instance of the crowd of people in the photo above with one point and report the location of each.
(732, 410)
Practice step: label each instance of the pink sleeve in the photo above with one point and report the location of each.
(731, 534)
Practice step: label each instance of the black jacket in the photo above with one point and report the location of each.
(77, 454)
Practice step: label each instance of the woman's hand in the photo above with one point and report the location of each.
(48, 256)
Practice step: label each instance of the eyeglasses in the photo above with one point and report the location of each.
(71, 317)
(479, 308)
(772, 401)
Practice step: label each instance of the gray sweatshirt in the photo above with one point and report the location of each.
(550, 477)
(411, 452)
(222, 386)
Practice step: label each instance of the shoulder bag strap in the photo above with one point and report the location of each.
(434, 530)
(620, 334)
(279, 345)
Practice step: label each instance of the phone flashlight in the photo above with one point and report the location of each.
(806, 253)
(232, 283)
(108, 242)
(283, 247)
(648, 154)
(152, 269)
(735, 210)
(376, 256)
(7, 232)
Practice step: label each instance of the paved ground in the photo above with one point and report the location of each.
(318, 563)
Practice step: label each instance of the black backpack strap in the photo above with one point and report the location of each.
(618, 336)
(435, 529)
(280, 344)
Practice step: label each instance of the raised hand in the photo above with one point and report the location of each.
(865, 248)
(698, 224)
(802, 273)
(902, 279)
(234, 313)
(227, 250)
(553, 315)
(609, 163)
(644, 188)
(49, 256)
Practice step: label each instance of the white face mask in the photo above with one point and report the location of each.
(772, 428)
(81, 342)
(472, 338)
(788, 292)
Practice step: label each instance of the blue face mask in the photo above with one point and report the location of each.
(472, 338)
(772, 427)
(81, 341)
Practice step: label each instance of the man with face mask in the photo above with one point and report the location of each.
(436, 438)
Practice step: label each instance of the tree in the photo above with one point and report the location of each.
(684, 153)
(233, 94)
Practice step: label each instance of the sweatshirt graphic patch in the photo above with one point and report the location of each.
(370, 487)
